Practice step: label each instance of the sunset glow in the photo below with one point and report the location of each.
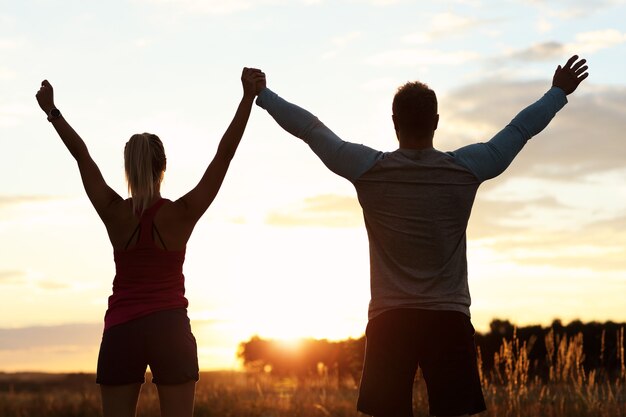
(282, 253)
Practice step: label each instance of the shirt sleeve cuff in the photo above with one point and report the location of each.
(263, 96)
(559, 95)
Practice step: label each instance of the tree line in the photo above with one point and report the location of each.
(602, 349)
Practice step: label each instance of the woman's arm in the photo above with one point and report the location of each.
(196, 201)
(100, 194)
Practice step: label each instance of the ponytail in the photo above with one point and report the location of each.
(144, 164)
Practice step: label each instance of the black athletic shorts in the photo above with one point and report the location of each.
(441, 343)
(162, 340)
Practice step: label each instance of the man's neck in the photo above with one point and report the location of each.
(415, 141)
(416, 144)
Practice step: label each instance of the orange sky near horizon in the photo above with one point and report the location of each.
(283, 251)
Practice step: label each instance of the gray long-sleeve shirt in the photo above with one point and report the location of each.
(416, 203)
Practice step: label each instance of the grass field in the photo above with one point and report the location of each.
(510, 390)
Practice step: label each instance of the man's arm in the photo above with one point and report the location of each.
(488, 160)
(347, 159)
(100, 194)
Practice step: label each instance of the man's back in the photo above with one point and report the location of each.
(416, 205)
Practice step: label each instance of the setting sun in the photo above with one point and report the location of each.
(283, 251)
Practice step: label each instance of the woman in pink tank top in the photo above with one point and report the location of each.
(146, 323)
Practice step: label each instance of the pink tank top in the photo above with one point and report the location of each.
(147, 278)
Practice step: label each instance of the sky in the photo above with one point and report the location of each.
(282, 252)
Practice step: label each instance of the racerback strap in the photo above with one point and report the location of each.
(146, 226)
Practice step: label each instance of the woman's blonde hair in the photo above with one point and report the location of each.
(144, 164)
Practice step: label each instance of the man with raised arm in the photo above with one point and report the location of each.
(416, 203)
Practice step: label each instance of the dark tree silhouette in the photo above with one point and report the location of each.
(343, 360)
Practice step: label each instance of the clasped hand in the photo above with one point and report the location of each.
(253, 81)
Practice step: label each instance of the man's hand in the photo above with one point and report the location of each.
(571, 75)
(261, 83)
(45, 97)
(251, 79)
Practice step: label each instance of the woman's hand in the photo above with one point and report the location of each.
(45, 97)
(253, 81)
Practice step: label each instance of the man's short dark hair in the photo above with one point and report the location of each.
(415, 107)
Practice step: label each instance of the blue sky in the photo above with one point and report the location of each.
(283, 252)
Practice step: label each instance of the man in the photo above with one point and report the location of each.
(416, 203)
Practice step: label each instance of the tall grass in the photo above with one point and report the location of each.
(513, 387)
(569, 390)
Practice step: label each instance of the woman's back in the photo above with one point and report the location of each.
(148, 274)
(171, 223)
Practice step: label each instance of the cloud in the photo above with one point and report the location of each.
(344, 40)
(585, 137)
(444, 24)
(598, 246)
(320, 211)
(489, 215)
(385, 2)
(387, 84)
(52, 285)
(451, 22)
(544, 25)
(413, 57)
(12, 277)
(217, 7)
(13, 114)
(507, 227)
(440, 25)
(61, 348)
(12, 200)
(50, 336)
(7, 74)
(584, 43)
(141, 42)
(19, 277)
(340, 43)
(561, 201)
(589, 42)
(6, 21)
(571, 9)
(220, 7)
(6, 43)
(546, 51)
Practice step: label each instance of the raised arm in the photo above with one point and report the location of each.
(350, 160)
(196, 201)
(100, 194)
(488, 160)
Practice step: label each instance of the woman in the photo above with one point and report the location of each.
(146, 322)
